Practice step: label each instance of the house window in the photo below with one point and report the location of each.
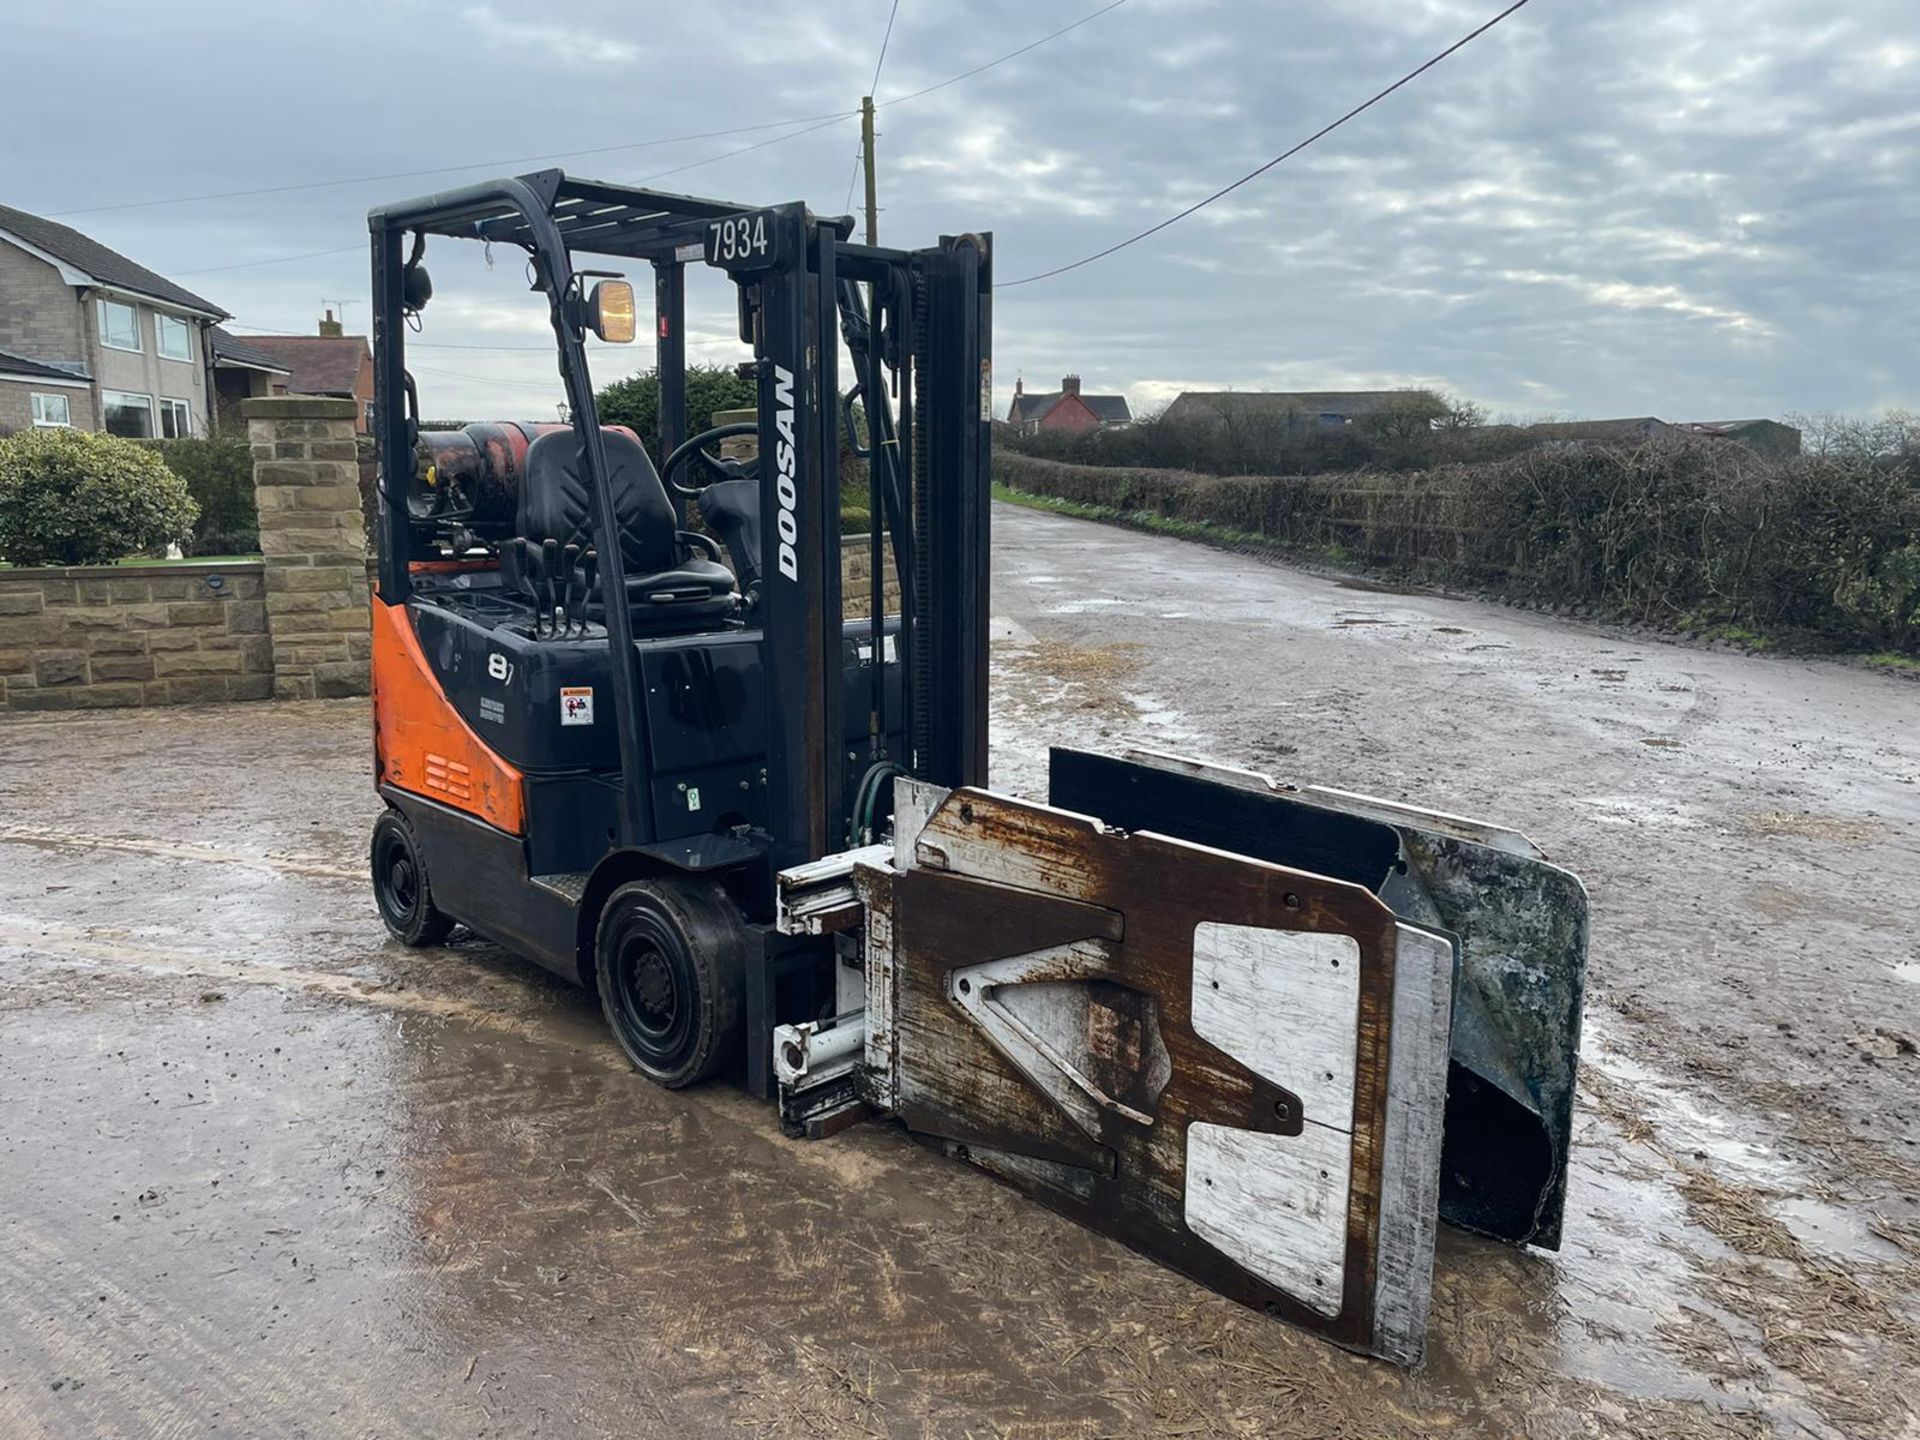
(176, 419)
(119, 326)
(130, 416)
(170, 337)
(52, 410)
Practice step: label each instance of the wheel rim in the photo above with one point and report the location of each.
(652, 991)
(398, 876)
(403, 884)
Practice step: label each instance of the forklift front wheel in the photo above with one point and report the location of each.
(400, 884)
(669, 960)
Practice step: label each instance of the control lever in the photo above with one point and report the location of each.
(591, 562)
(550, 582)
(569, 583)
(528, 557)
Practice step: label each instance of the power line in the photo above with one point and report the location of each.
(1010, 55)
(872, 85)
(272, 260)
(578, 154)
(892, 15)
(810, 124)
(729, 154)
(1321, 133)
(412, 344)
(449, 169)
(853, 180)
(657, 175)
(499, 380)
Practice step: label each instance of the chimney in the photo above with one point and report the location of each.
(1019, 386)
(330, 327)
(1070, 384)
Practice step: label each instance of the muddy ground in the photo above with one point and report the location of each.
(263, 1173)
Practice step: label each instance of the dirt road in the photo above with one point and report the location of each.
(262, 1173)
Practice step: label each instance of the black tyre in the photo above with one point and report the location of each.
(670, 964)
(400, 886)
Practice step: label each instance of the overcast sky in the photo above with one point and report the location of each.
(1685, 208)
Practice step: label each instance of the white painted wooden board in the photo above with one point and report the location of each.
(1285, 1004)
(1275, 1205)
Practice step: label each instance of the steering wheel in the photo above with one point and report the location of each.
(694, 447)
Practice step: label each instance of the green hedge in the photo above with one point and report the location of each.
(1699, 536)
(218, 470)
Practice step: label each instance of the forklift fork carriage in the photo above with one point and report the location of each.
(624, 727)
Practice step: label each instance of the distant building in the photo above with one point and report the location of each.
(1066, 409)
(1640, 430)
(1763, 437)
(331, 363)
(241, 371)
(1301, 409)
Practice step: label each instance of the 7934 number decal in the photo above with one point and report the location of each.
(749, 241)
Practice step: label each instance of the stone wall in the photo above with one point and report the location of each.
(86, 637)
(856, 571)
(306, 481)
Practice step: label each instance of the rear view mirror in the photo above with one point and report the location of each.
(610, 312)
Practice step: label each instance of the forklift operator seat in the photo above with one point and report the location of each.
(668, 587)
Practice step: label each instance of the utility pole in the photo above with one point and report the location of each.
(866, 152)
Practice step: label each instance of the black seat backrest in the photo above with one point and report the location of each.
(554, 503)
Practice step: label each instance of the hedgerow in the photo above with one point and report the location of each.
(1697, 535)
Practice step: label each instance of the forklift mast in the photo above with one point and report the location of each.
(799, 282)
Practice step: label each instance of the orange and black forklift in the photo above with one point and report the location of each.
(623, 726)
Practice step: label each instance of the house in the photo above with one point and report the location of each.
(329, 363)
(241, 371)
(93, 340)
(1066, 409)
(1299, 409)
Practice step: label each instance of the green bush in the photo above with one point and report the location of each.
(69, 497)
(635, 402)
(218, 470)
(1701, 536)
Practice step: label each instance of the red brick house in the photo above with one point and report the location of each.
(333, 364)
(1066, 409)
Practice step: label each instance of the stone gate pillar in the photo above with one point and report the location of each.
(306, 481)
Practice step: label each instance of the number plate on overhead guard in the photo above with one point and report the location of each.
(748, 241)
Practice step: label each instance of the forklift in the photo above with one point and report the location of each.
(625, 726)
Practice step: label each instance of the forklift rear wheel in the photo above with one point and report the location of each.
(400, 884)
(669, 959)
